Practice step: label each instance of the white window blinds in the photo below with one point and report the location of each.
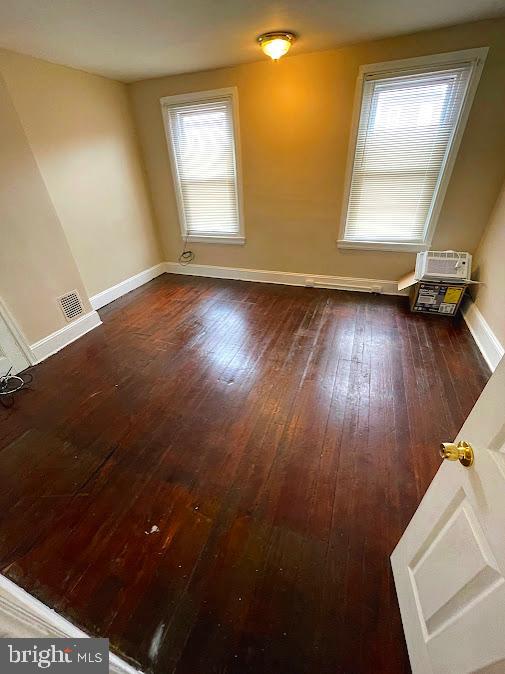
(203, 147)
(406, 128)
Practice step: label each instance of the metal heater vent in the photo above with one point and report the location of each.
(71, 305)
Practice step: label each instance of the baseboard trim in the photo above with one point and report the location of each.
(286, 278)
(22, 615)
(58, 340)
(484, 337)
(106, 296)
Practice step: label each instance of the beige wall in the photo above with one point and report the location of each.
(489, 266)
(295, 119)
(81, 132)
(36, 264)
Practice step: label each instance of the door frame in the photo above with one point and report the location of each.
(22, 615)
(13, 343)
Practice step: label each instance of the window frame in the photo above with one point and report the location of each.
(201, 97)
(475, 57)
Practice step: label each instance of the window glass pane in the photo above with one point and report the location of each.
(204, 154)
(406, 127)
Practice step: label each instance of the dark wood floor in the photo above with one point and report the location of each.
(278, 439)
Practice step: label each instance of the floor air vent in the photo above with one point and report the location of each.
(71, 305)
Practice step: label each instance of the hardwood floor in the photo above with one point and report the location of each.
(216, 477)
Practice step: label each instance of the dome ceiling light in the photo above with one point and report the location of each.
(276, 44)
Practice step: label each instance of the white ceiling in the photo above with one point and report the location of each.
(136, 39)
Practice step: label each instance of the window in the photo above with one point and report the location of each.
(411, 118)
(202, 138)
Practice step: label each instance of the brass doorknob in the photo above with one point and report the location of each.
(462, 452)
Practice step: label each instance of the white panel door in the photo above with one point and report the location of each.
(449, 566)
(11, 352)
(5, 363)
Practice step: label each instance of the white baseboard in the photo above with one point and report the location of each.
(487, 342)
(65, 336)
(485, 338)
(105, 297)
(287, 278)
(22, 615)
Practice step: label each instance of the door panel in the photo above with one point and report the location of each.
(5, 363)
(449, 565)
(11, 353)
(460, 545)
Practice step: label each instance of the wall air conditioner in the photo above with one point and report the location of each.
(444, 265)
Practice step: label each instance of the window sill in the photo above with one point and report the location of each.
(384, 245)
(237, 240)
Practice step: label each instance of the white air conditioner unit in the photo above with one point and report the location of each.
(444, 265)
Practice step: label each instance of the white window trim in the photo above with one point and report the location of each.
(195, 97)
(475, 56)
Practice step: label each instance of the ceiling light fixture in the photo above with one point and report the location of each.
(276, 44)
